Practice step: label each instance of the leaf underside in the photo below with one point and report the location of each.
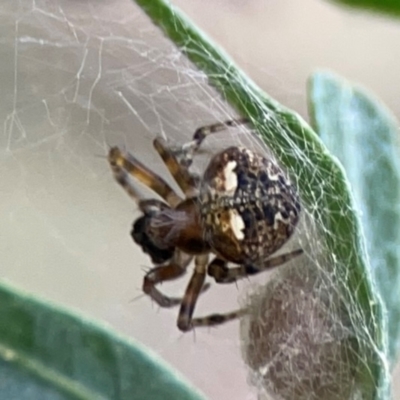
(361, 132)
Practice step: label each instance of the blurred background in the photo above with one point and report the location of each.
(78, 76)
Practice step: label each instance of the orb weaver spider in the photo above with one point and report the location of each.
(243, 209)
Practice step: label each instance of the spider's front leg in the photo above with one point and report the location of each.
(186, 322)
(124, 164)
(179, 160)
(186, 152)
(186, 180)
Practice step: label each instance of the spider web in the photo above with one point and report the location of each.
(80, 77)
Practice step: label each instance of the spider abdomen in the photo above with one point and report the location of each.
(249, 206)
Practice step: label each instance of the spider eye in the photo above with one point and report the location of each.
(139, 235)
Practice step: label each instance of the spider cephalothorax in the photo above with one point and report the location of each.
(140, 235)
(242, 210)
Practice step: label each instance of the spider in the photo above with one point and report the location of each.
(242, 210)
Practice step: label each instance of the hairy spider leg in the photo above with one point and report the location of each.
(123, 164)
(188, 150)
(186, 181)
(186, 322)
(219, 270)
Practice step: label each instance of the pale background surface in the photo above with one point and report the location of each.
(76, 76)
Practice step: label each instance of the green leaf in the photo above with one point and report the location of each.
(49, 354)
(320, 178)
(361, 132)
(388, 7)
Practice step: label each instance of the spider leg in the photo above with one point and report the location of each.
(163, 273)
(219, 270)
(188, 150)
(186, 322)
(175, 269)
(124, 164)
(186, 181)
(217, 319)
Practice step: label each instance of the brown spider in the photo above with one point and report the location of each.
(243, 210)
